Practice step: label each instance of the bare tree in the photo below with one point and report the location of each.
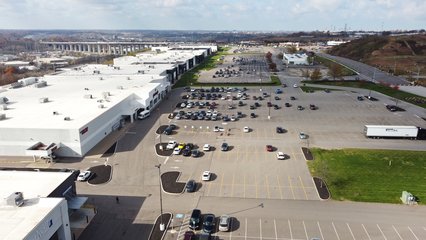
(316, 75)
(335, 71)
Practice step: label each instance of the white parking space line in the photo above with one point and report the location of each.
(381, 232)
(368, 235)
(165, 161)
(413, 233)
(303, 187)
(397, 232)
(350, 230)
(306, 232)
(279, 187)
(291, 187)
(289, 228)
(260, 228)
(319, 227)
(335, 230)
(275, 228)
(267, 186)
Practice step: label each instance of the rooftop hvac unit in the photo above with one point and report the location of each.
(96, 72)
(40, 84)
(101, 106)
(2, 116)
(101, 78)
(16, 85)
(117, 68)
(15, 199)
(119, 87)
(88, 96)
(67, 119)
(128, 78)
(106, 94)
(43, 100)
(3, 107)
(55, 113)
(4, 100)
(141, 71)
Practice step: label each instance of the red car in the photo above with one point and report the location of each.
(269, 148)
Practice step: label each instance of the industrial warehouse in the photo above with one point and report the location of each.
(68, 113)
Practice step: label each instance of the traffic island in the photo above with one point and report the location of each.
(156, 233)
(307, 153)
(100, 174)
(161, 129)
(170, 184)
(160, 149)
(322, 188)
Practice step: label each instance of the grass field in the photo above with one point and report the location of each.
(328, 63)
(401, 95)
(371, 175)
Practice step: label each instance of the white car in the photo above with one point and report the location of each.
(84, 176)
(246, 129)
(182, 105)
(171, 145)
(295, 85)
(206, 176)
(177, 151)
(206, 147)
(218, 129)
(302, 135)
(280, 155)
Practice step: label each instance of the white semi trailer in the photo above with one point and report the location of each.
(388, 131)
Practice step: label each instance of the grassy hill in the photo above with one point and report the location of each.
(400, 55)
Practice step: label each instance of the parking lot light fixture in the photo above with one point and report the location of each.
(162, 226)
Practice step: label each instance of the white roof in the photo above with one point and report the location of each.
(171, 56)
(66, 96)
(390, 126)
(17, 222)
(33, 184)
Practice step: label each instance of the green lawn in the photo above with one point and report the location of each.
(371, 175)
(401, 95)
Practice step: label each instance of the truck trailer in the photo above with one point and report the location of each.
(388, 131)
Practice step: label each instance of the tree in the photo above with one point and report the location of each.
(280, 56)
(291, 49)
(316, 75)
(335, 71)
(305, 74)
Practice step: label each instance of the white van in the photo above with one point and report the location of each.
(144, 114)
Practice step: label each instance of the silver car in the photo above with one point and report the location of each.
(224, 223)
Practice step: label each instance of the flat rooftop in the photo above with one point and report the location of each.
(68, 96)
(120, 69)
(171, 56)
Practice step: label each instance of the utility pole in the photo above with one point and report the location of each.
(162, 227)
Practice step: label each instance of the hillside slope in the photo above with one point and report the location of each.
(400, 55)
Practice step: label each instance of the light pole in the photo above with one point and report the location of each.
(162, 227)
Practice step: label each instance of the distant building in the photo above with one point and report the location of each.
(295, 59)
(335, 43)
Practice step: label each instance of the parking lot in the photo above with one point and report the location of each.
(270, 228)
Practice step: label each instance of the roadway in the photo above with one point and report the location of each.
(365, 71)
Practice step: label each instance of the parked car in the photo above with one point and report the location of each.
(168, 130)
(300, 108)
(195, 153)
(280, 156)
(194, 221)
(292, 98)
(252, 115)
(277, 98)
(287, 104)
(295, 85)
(312, 107)
(246, 129)
(360, 98)
(206, 176)
(206, 147)
(208, 223)
(269, 148)
(218, 129)
(177, 151)
(224, 223)
(191, 186)
(302, 135)
(189, 235)
(279, 130)
(224, 147)
(186, 152)
(84, 176)
(171, 145)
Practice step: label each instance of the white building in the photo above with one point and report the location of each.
(44, 213)
(69, 113)
(295, 59)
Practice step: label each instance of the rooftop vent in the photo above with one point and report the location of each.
(106, 94)
(15, 199)
(128, 78)
(43, 100)
(141, 71)
(101, 106)
(4, 100)
(67, 119)
(96, 72)
(2, 116)
(55, 113)
(117, 68)
(120, 87)
(101, 78)
(88, 96)
(3, 107)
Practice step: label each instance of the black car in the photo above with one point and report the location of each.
(240, 103)
(194, 221)
(312, 107)
(189, 146)
(252, 107)
(276, 107)
(186, 152)
(277, 98)
(208, 223)
(287, 104)
(252, 115)
(191, 186)
(280, 130)
(224, 147)
(292, 98)
(360, 98)
(257, 104)
(195, 153)
(168, 130)
(300, 108)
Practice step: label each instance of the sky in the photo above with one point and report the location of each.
(242, 15)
